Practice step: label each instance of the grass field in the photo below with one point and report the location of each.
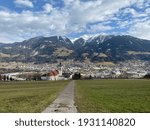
(113, 95)
(28, 96)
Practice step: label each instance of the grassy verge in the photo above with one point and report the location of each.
(28, 96)
(113, 95)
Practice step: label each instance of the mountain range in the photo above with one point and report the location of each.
(95, 49)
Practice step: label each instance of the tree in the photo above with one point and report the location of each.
(147, 76)
(0, 77)
(5, 78)
(76, 76)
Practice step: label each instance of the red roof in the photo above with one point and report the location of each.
(53, 73)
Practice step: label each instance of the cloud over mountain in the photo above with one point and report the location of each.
(73, 18)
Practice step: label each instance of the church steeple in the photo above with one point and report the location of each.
(60, 68)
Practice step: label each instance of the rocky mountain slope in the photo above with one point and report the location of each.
(96, 49)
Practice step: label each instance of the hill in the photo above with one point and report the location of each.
(99, 48)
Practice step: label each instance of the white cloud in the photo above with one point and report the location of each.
(9, 38)
(129, 11)
(141, 30)
(24, 3)
(48, 8)
(94, 11)
(99, 28)
(134, 13)
(73, 17)
(123, 24)
(142, 4)
(27, 25)
(147, 11)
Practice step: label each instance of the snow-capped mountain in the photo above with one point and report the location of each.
(96, 48)
(99, 39)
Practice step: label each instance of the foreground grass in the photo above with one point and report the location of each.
(28, 96)
(113, 95)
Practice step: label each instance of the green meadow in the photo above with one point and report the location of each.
(31, 96)
(90, 95)
(113, 96)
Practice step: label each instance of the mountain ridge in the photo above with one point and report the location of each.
(98, 48)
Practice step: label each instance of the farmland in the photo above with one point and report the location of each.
(32, 96)
(113, 96)
(90, 95)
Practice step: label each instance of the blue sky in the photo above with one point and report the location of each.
(24, 19)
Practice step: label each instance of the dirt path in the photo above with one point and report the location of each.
(64, 102)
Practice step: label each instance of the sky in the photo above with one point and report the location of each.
(24, 19)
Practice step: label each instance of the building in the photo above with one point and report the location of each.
(52, 75)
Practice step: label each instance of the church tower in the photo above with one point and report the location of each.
(60, 69)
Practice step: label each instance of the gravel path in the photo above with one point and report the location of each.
(64, 102)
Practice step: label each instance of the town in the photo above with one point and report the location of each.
(13, 71)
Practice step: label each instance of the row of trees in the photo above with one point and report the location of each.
(34, 76)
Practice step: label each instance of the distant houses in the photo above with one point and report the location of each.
(81, 71)
(55, 74)
(51, 75)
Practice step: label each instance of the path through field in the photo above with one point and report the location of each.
(65, 101)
